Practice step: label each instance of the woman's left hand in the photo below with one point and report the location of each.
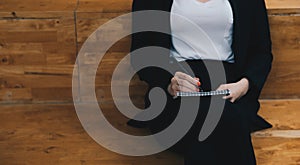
(237, 90)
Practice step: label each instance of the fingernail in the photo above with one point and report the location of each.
(224, 97)
(198, 83)
(197, 78)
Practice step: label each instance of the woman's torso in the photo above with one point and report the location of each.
(202, 30)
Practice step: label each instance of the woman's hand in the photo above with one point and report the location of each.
(237, 90)
(184, 83)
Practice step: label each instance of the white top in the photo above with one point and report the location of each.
(202, 30)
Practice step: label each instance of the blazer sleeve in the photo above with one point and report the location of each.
(260, 56)
(153, 76)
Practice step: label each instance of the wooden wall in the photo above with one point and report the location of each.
(37, 51)
(285, 29)
(39, 41)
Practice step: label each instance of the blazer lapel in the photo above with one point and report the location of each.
(236, 29)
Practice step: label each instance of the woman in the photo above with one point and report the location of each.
(240, 31)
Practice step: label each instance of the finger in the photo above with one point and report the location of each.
(175, 87)
(227, 97)
(232, 100)
(199, 82)
(222, 87)
(186, 84)
(174, 80)
(185, 89)
(188, 78)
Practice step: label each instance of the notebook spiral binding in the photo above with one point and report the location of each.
(201, 94)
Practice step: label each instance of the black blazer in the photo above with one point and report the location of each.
(251, 43)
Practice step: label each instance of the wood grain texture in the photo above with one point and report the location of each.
(89, 22)
(284, 79)
(37, 5)
(284, 31)
(283, 114)
(52, 134)
(31, 41)
(37, 56)
(31, 38)
(277, 151)
(288, 134)
(115, 6)
(283, 6)
(38, 46)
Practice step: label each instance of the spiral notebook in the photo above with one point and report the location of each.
(201, 94)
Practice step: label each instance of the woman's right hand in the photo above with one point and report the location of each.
(184, 83)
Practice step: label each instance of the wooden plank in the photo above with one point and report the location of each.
(37, 39)
(31, 37)
(50, 133)
(104, 6)
(43, 82)
(103, 78)
(283, 6)
(13, 25)
(279, 151)
(285, 74)
(32, 80)
(38, 51)
(36, 69)
(283, 114)
(87, 23)
(37, 5)
(35, 14)
(52, 95)
(291, 134)
(15, 95)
